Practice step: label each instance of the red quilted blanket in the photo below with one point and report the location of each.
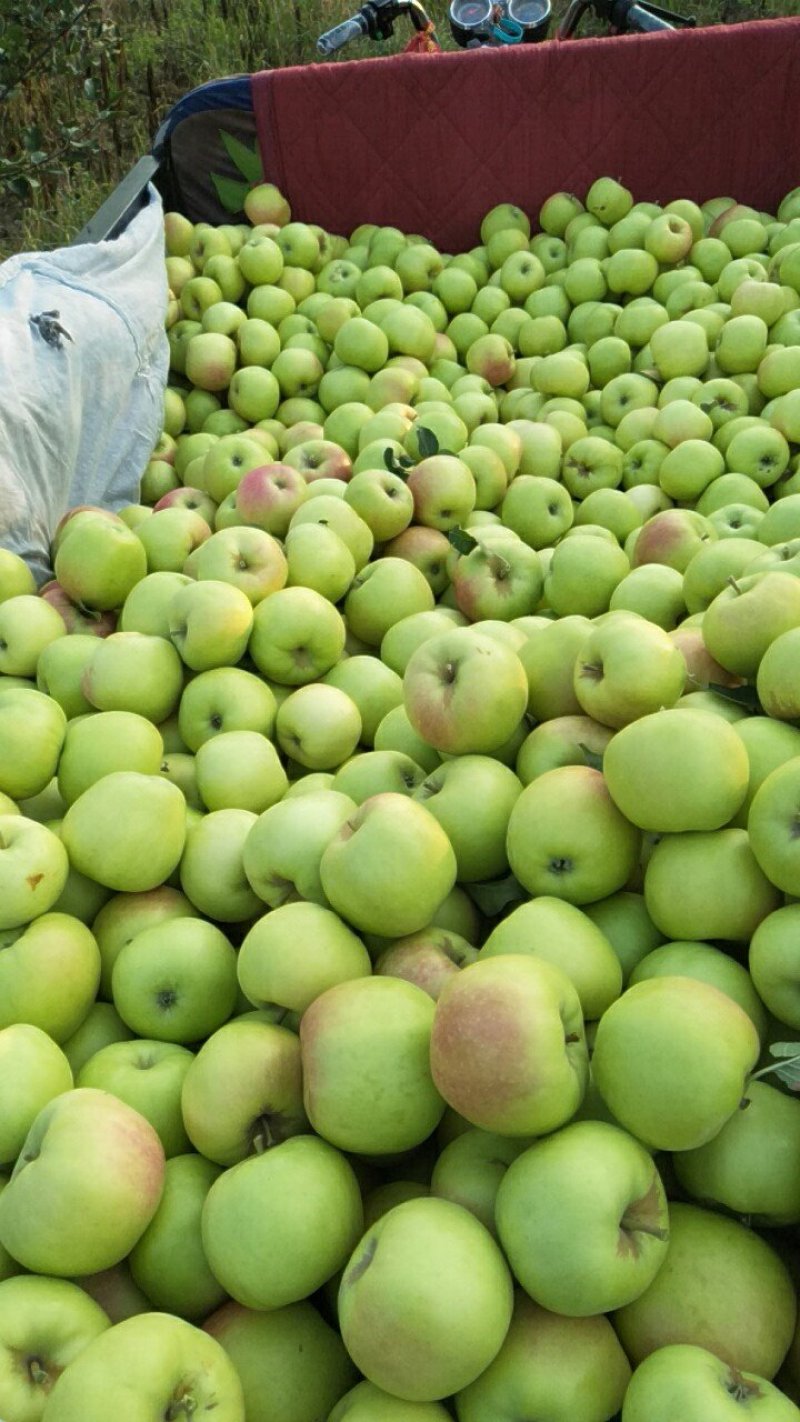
(430, 143)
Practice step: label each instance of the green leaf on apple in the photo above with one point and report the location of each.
(427, 442)
(400, 465)
(746, 696)
(462, 541)
(247, 160)
(787, 1065)
(591, 758)
(494, 896)
(230, 193)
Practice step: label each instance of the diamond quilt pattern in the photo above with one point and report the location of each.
(429, 143)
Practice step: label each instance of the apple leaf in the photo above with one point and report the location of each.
(496, 895)
(230, 193)
(398, 464)
(427, 442)
(786, 1067)
(462, 541)
(592, 759)
(745, 696)
(247, 160)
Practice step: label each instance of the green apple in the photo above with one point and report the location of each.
(592, 1183)
(396, 1275)
(277, 1226)
(318, 726)
(98, 562)
(428, 958)
(559, 933)
(148, 1076)
(563, 740)
(127, 830)
(567, 838)
(297, 636)
(243, 1092)
(96, 745)
(771, 825)
(239, 770)
(721, 1287)
(470, 1169)
(583, 574)
(693, 1383)
(168, 1260)
(225, 699)
(85, 1186)
(536, 1017)
(472, 798)
(32, 730)
(33, 871)
(34, 1071)
(724, 892)
(709, 965)
(626, 669)
(366, 1076)
(58, 950)
(746, 1168)
(282, 852)
(291, 1363)
(176, 981)
(677, 770)
(136, 672)
(44, 1325)
(625, 922)
(210, 623)
(152, 1365)
(268, 967)
(389, 866)
(772, 957)
(683, 1086)
(464, 692)
(101, 1026)
(745, 618)
(211, 872)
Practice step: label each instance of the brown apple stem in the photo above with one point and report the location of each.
(181, 1407)
(37, 1373)
(499, 566)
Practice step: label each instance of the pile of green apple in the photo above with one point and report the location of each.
(400, 842)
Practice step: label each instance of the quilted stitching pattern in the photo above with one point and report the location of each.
(429, 144)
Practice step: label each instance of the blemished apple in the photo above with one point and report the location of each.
(487, 1064)
(669, 1076)
(152, 1365)
(367, 1083)
(33, 870)
(429, 1274)
(85, 1186)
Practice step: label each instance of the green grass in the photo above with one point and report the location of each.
(156, 50)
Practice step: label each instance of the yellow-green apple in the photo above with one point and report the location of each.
(382, 593)
(721, 1287)
(282, 852)
(125, 915)
(374, 686)
(709, 965)
(56, 949)
(279, 1225)
(126, 831)
(537, 508)
(168, 1262)
(389, 866)
(679, 348)
(469, 1170)
(170, 534)
(99, 561)
(627, 925)
(561, 934)
(147, 1075)
(435, 1278)
(567, 838)
(247, 558)
(428, 958)
(16, 577)
(776, 680)
(548, 658)
(365, 1094)
(176, 981)
(33, 871)
(693, 1383)
(28, 624)
(472, 797)
(211, 872)
(773, 963)
(152, 1365)
(32, 730)
(428, 549)
(373, 772)
(746, 617)
(497, 580)
(243, 1092)
(771, 826)
(85, 1186)
(627, 668)
(210, 623)
(226, 463)
(136, 672)
(297, 636)
(683, 1086)
(270, 972)
(654, 591)
(34, 1071)
(96, 745)
(268, 495)
(239, 770)
(769, 743)
(498, 1009)
(290, 1361)
(607, 1221)
(383, 500)
(101, 1026)
(563, 740)
(318, 558)
(583, 573)
(713, 565)
(570, 1369)
(677, 770)
(464, 692)
(724, 892)
(444, 492)
(146, 606)
(318, 726)
(747, 1167)
(45, 1324)
(224, 699)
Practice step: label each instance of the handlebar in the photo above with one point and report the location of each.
(341, 35)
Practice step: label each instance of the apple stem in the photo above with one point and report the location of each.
(777, 1066)
(733, 584)
(38, 1374)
